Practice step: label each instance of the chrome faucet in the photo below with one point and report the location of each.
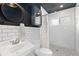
(15, 41)
(21, 34)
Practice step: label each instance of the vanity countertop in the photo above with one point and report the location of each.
(22, 48)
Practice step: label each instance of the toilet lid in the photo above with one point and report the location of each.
(45, 51)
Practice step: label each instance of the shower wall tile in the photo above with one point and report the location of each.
(63, 34)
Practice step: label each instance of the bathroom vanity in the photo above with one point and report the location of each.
(7, 48)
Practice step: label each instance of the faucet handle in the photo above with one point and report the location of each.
(15, 41)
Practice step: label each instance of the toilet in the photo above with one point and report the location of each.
(43, 52)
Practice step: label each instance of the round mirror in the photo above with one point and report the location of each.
(13, 12)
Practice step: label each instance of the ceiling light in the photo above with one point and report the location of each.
(61, 6)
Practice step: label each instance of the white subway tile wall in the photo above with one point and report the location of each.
(8, 32)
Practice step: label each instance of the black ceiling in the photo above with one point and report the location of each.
(52, 7)
(49, 7)
(30, 10)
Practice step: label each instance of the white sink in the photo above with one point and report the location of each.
(22, 48)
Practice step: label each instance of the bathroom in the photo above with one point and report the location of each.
(39, 29)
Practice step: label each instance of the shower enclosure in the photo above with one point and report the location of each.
(63, 31)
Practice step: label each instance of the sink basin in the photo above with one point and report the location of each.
(22, 48)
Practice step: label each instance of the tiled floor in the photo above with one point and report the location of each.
(60, 51)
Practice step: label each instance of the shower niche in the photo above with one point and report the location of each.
(16, 13)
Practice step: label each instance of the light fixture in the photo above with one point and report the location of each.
(12, 5)
(39, 13)
(61, 6)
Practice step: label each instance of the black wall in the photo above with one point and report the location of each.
(27, 20)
